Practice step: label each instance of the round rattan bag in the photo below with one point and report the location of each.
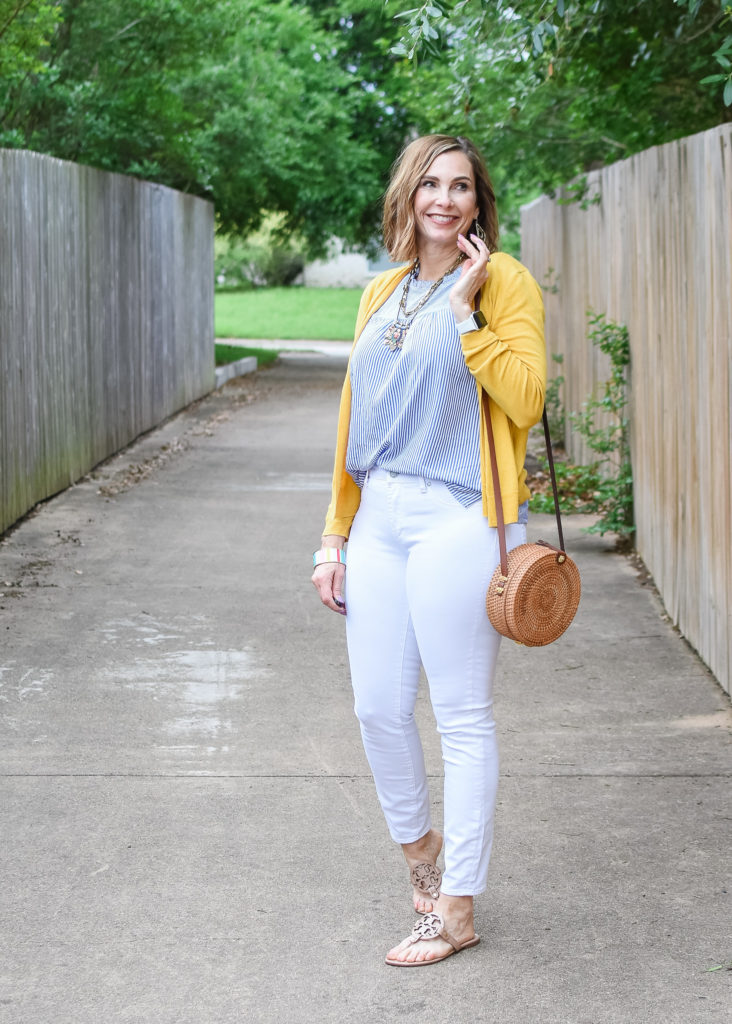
(537, 599)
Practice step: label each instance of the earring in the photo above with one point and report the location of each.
(480, 232)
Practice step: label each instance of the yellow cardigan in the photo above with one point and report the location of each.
(507, 359)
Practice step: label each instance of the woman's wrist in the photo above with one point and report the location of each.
(332, 540)
(461, 311)
(332, 550)
(326, 556)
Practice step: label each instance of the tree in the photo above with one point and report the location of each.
(25, 28)
(362, 34)
(552, 89)
(300, 107)
(246, 102)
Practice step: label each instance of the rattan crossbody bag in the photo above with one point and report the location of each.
(535, 591)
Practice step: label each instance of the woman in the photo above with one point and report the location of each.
(412, 494)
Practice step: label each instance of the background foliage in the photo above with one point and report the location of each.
(553, 88)
(300, 107)
(604, 486)
(261, 106)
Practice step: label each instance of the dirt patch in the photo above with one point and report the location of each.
(200, 419)
(123, 479)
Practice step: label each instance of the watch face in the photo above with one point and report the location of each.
(479, 320)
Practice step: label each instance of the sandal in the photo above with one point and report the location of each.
(432, 927)
(426, 878)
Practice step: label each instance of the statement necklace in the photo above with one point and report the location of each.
(397, 331)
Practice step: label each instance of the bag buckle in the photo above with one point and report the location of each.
(503, 581)
(561, 555)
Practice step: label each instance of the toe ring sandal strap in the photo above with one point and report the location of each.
(427, 878)
(431, 926)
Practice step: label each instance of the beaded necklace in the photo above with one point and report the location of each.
(397, 331)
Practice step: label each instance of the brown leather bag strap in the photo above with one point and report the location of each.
(555, 492)
(500, 525)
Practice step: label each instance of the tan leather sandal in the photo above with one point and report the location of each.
(426, 878)
(432, 926)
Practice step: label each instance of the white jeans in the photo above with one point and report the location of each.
(419, 564)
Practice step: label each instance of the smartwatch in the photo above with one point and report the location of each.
(475, 322)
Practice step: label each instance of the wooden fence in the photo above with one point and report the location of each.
(106, 318)
(653, 249)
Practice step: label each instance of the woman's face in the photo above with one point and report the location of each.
(445, 203)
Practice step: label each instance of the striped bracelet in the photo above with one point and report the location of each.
(329, 555)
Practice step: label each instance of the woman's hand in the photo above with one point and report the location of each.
(329, 577)
(473, 276)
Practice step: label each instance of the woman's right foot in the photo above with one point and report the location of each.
(424, 851)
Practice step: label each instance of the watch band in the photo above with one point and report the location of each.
(475, 322)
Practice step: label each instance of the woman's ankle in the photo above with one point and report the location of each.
(423, 847)
(456, 908)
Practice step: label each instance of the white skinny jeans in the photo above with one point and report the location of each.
(419, 564)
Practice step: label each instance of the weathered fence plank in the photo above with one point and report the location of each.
(106, 318)
(655, 253)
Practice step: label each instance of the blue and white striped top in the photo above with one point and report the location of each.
(415, 410)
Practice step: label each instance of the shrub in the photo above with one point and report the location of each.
(257, 260)
(555, 405)
(605, 485)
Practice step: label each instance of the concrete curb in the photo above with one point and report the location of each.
(337, 349)
(246, 365)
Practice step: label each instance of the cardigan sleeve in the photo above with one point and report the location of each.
(508, 356)
(345, 492)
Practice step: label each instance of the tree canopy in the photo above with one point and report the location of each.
(300, 107)
(552, 88)
(258, 105)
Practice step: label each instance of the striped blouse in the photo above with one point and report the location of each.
(415, 410)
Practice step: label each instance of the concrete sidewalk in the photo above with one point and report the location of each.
(190, 834)
(323, 348)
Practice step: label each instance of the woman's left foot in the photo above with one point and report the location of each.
(429, 943)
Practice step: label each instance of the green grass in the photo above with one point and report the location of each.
(230, 354)
(315, 314)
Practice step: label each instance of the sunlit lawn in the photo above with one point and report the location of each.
(315, 314)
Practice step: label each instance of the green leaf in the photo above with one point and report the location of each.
(719, 967)
(727, 94)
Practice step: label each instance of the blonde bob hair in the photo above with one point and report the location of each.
(398, 224)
